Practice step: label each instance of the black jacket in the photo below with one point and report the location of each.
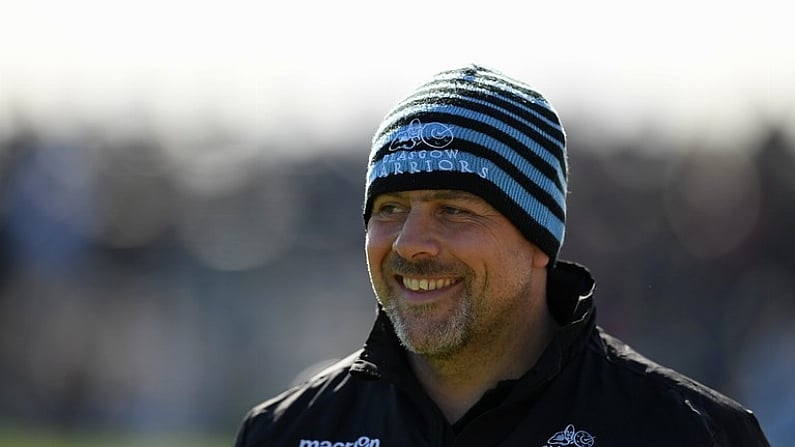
(588, 389)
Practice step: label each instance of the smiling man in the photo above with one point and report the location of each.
(483, 336)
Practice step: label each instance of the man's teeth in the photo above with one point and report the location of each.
(416, 284)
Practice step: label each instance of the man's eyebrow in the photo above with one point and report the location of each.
(453, 194)
(438, 194)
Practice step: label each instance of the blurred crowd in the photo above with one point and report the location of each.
(146, 288)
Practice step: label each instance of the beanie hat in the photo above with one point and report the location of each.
(477, 130)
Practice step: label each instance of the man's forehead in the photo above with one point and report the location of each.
(433, 194)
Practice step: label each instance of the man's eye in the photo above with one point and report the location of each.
(389, 209)
(453, 210)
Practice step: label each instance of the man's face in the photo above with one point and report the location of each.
(449, 269)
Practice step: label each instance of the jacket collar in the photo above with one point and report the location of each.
(570, 290)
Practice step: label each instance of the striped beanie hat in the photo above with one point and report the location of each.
(477, 130)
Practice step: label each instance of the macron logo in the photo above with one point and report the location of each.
(363, 441)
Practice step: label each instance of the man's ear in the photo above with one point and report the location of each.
(540, 259)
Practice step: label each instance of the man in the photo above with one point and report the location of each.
(483, 337)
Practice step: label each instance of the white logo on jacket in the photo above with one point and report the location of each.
(363, 441)
(571, 437)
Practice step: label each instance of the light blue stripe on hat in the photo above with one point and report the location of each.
(435, 95)
(451, 160)
(489, 142)
(475, 88)
(494, 86)
(523, 138)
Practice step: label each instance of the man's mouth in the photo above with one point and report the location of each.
(418, 284)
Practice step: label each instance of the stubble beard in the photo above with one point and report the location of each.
(418, 326)
(431, 338)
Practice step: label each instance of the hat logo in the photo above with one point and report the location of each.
(434, 135)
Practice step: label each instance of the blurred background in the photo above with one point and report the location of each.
(180, 191)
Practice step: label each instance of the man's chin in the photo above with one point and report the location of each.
(427, 339)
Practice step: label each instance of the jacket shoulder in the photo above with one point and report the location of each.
(276, 413)
(726, 420)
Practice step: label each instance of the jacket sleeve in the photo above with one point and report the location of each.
(741, 431)
(242, 434)
(264, 424)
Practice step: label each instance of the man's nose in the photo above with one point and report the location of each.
(418, 236)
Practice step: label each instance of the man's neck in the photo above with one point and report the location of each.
(456, 382)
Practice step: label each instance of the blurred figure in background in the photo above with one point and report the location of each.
(483, 336)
